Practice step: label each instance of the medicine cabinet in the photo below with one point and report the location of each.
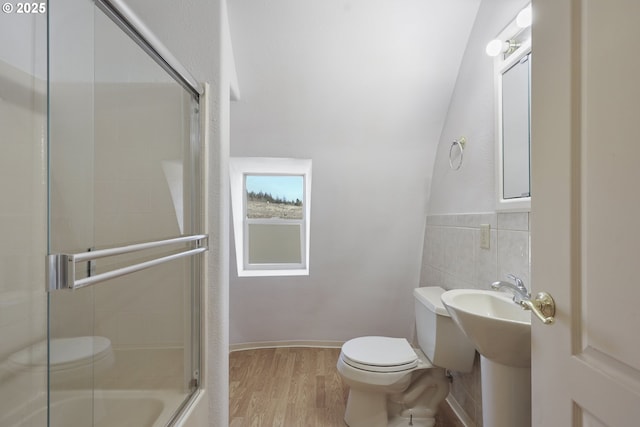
(512, 83)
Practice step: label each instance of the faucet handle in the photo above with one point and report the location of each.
(519, 283)
(513, 277)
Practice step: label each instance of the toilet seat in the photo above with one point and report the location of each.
(379, 354)
(66, 353)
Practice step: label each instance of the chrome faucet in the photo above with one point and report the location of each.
(520, 291)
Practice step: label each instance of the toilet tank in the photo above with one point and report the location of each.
(438, 336)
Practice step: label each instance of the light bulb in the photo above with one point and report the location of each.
(523, 20)
(495, 47)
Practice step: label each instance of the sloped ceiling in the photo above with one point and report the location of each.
(302, 63)
(362, 87)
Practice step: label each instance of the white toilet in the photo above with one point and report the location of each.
(393, 384)
(71, 360)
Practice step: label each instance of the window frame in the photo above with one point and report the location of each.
(239, 169)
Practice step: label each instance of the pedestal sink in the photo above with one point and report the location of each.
(501, 332)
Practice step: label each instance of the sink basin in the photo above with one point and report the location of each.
(498, 328)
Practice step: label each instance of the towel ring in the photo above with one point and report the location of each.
(460, 143)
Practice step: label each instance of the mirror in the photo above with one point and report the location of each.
(515, 130)
(512, 80)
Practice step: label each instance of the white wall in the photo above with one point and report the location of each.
(471, 114)
(361, 88)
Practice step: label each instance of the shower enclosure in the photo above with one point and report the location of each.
(101, 224)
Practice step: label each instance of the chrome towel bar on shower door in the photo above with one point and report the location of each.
(61, 268)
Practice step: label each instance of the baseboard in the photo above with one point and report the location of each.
(276, 344)
(457, 411)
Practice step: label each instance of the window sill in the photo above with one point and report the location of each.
(272, 273)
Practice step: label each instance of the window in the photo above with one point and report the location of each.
(270, 199)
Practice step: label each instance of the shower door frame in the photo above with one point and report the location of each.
(57, 264)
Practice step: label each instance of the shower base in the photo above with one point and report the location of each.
(140, 408)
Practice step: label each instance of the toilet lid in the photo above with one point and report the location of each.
(64, 351)
(382, 354)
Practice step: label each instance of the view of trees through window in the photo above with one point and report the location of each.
(274, 196)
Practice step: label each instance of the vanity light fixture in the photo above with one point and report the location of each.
(523, 20)
(516, 33)
(496, 46)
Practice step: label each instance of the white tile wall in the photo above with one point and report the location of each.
(141, 125)
(137, 126)
(148, 311)
(453, 259)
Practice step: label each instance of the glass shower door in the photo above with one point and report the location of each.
(124, 191)
(23, 300)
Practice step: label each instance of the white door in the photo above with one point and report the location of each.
(586, 211)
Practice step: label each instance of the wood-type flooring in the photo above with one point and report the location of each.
(293, 387)
(286, 387)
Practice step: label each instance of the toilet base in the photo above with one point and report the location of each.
(416, 422)
(366, 409)
(369, 409)
(415, 406)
